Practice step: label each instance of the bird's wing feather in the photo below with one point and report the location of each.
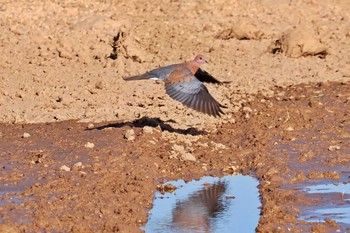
(187, 89)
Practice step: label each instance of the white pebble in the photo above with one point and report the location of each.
(129, 134)
(64, 168)
(147, 129)
(26, 135)
(333, 148)
(89, 145)
(77, 165)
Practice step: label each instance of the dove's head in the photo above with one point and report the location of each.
(199, 59)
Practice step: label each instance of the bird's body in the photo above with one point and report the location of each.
(183, 82)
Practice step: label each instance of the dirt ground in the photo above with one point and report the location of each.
(83, 151)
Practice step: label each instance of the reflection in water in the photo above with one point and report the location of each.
(195, 213)
(229, 204)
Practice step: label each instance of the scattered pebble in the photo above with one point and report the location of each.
(89, 145)
(188, 157)
(180, 150)
(77, 166)
(218, 146)
(130, 134)
(333, 148)
(26, 135)
(247, 109)
(64, 168)
(147, 129)
(91, 126)
(290, 128)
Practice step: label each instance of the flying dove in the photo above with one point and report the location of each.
(183, 82)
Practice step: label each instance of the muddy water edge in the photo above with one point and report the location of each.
(108, 183)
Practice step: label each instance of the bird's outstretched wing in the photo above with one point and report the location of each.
(204, 76)
(187, 89)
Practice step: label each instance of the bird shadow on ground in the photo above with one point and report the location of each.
(152, 122)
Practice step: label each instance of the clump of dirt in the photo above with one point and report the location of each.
(299, 42)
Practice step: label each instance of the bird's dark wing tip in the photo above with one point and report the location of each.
(204, 76)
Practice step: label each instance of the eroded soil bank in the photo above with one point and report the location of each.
(297, 133)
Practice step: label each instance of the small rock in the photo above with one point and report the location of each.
(77, 166)
(178, 148)
(247, 109)
(219, 146)
(26, 135)
(333, 148)
(129, 134)
(91, 126)
(89, 145)
(290, 128)
(147, 129)
(64, 168)
(188, 157)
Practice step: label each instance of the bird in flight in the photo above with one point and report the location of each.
(184, 83)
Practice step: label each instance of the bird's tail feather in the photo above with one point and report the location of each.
(137, 77)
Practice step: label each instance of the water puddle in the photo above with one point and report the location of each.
(329, 188)
(208, 205)
(13, 203)
(336, 199)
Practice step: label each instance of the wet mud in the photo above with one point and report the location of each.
(81, 177)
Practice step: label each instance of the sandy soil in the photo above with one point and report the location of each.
(289, 65)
